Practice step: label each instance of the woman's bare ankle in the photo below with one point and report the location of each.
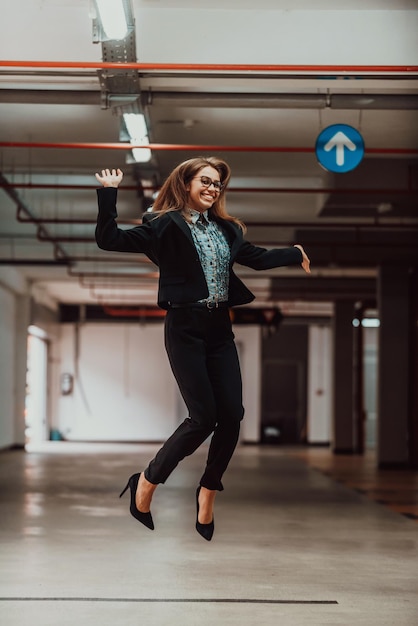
(144, 494)
(206, 502)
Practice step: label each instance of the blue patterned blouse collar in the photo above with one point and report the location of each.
(194, 215)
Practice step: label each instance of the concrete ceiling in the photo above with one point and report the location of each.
(350, 223)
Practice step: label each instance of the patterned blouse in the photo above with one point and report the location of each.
(213, 250)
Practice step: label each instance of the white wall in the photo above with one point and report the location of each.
(7, 352)
(319, 384)
(13, 336)
(124, 388)
(248, 339)
(44, 315)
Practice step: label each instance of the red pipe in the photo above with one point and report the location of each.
(212, 67)
(180, 147)
(391, 151)
(151, 146)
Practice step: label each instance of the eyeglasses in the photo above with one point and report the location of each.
(207, 182)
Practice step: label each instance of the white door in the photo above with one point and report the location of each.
(36, 386)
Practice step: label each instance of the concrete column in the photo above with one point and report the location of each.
(394, 370)
(344, 436)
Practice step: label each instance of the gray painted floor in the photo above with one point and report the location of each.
(291, 546)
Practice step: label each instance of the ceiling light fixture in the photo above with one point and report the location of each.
(112, 16)
(138, 133)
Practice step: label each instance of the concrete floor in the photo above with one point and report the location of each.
(291, 546)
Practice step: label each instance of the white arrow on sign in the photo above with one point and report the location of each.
(340, 141)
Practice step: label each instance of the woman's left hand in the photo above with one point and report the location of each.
(306, 264)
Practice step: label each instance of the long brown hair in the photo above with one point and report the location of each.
(173, 195)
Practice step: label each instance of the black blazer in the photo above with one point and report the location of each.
(168, 242)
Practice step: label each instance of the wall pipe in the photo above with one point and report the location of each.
(214, 67)
(181, 147)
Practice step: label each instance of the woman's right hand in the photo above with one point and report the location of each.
(110, 178)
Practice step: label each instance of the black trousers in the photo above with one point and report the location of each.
(203, 356)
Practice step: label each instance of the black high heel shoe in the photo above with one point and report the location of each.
(205, 530)
(144, 518)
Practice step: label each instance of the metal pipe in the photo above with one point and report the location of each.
(216, 67)
(154, 146)
(280, 101)
(187, 147)
(221, 100)
(20, 204)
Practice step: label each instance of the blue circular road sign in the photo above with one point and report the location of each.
(339, 148)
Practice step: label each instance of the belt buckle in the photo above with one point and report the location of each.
(212, 305)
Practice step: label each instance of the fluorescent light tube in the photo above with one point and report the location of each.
(141, 155)
(112, 17)
(135, 125)
(138, 133)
